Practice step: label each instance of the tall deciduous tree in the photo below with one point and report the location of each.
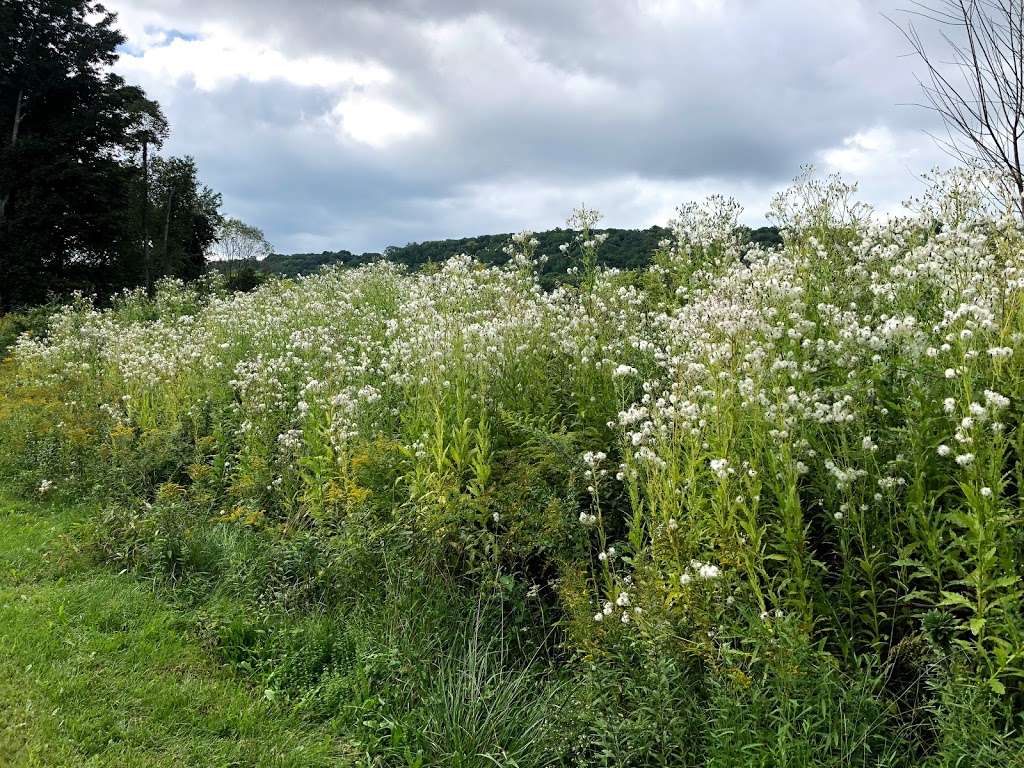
(80, 204)
(238, 241)
(185, 215)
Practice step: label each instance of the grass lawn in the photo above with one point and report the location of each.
(97, 670)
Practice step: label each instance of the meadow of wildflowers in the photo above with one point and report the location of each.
(743, 507)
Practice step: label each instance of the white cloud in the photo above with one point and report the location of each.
(673, 10)
(374, 121)
(217, 56)
(514, 204)
(887, 164)
(864, 151)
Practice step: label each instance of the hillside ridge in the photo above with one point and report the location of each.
(624, 249)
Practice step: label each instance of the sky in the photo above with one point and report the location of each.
(357, 124)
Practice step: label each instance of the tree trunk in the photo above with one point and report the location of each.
(17, 117)
(145, 219)
(167, 227)
(14, 140)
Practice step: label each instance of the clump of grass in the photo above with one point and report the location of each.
(98, 669)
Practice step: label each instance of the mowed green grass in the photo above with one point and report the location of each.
(96, 669)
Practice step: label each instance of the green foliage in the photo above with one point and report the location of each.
(244, 280)
(974, 728)
(640, 709)
(295, 264)
(791, 705)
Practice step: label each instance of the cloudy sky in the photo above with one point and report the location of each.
(364, 123)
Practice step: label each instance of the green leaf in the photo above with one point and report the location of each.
(906, 563)
(917, 594)
(952, 598)
(963, 520)
(1006, 581)
(977, 624)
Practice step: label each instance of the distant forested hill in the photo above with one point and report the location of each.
(293, 264)
(624, 249)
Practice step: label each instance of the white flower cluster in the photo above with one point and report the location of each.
(731, 387)
(700, 571)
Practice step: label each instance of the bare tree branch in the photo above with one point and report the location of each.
(979, 91)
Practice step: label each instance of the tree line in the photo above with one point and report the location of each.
(87, 202)
(624, 249)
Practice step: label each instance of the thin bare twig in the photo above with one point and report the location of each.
(979, 91)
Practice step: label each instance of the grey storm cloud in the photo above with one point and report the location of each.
(519, 109)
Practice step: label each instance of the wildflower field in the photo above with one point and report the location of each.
(742, 507)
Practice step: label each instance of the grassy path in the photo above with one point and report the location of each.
(96, 670)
